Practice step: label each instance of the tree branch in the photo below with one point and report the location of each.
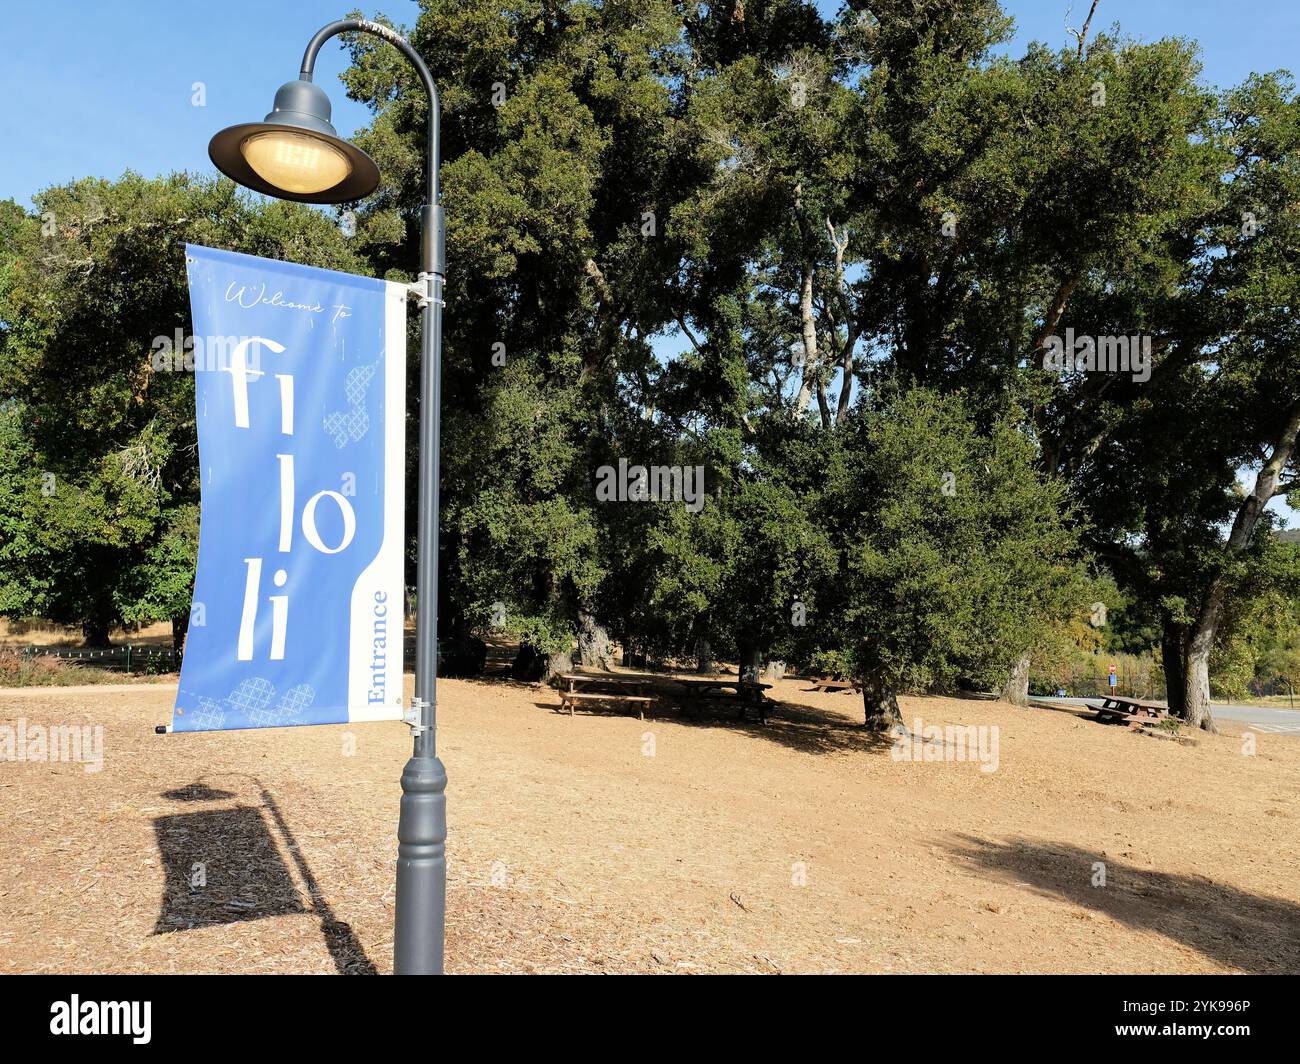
(681, 324)
(1083, 33)
(1053, 316)
(598, 279)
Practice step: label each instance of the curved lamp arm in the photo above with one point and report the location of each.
(361, 25)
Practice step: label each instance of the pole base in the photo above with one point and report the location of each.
(421, 869)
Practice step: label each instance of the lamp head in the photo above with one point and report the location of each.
(294, 153)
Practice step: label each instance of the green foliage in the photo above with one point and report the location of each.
(957, 551)
(98, 477)
(159, 584)
(1262, 633)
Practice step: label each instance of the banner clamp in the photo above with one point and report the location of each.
(414, 717)
(421, 290)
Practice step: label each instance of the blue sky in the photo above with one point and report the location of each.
(94, 87)
(97, 86)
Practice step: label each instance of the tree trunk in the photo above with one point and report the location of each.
(556, 664)
(1195, 708)
(808, 333)
(528, 665)
(593, 643)
(1016, 689)
(1196, 683)
(751, 660)
(1196, 689)
(180, 629)
(880, 707)
(94, 632)
(703, 656)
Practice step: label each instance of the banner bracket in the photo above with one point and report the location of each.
(414, 716)
(421, 289)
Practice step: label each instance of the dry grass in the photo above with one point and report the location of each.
(18, 669)
(571, 849)
(1270, 702)
(41, 633)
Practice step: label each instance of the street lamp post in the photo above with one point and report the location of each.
(295, 154)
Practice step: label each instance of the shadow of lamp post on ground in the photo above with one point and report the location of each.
(296, 154)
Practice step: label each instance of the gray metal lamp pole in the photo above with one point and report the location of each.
(295, 153)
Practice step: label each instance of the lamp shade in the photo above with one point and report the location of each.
(295, 153)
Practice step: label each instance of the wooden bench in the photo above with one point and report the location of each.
(568, 699)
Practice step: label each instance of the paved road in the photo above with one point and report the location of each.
(1260, 718)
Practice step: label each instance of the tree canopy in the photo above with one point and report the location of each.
(824, 261)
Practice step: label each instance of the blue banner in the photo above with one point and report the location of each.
(299, 386)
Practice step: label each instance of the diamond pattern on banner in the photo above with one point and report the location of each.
(352, 424)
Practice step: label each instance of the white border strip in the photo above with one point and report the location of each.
(381, 586)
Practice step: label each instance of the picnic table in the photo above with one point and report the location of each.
(609, 689)
(637, 691)
(748, 693)
(1116, 709)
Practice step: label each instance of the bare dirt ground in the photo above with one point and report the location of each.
(601, 843)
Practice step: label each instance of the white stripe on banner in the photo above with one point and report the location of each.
(378, 600)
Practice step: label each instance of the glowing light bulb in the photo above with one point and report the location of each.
(295, 162)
